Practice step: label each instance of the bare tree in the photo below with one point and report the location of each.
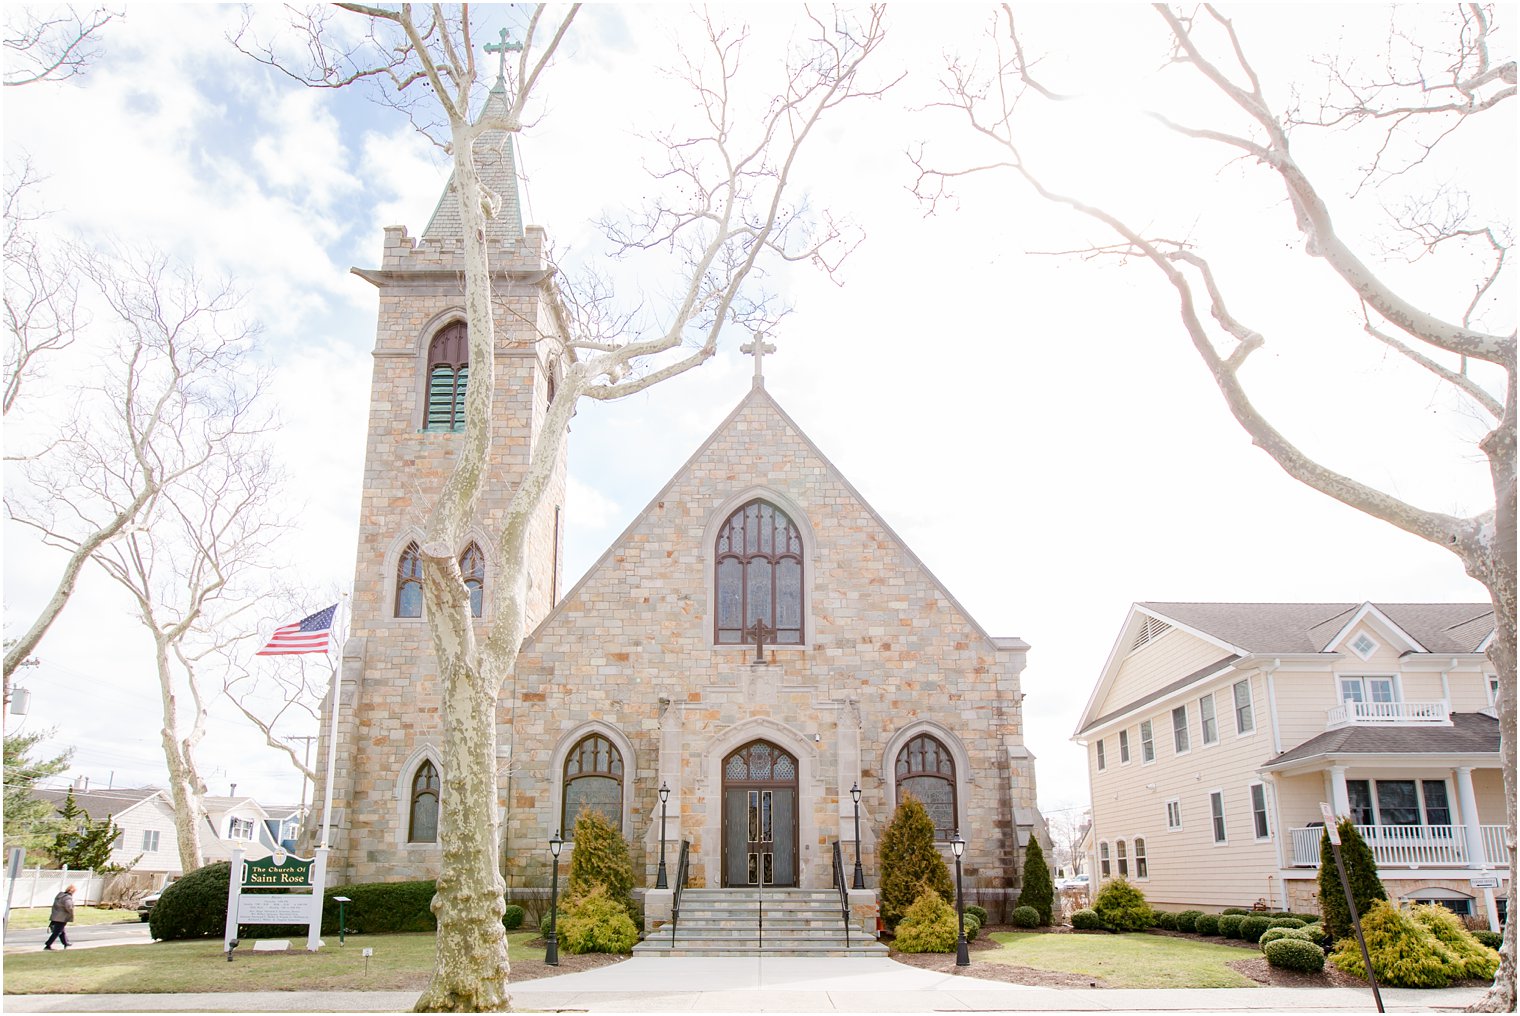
(41, 291)
(1424, 93)
(157, 479)
(51, 43)
(1068, 826)
(727, 213)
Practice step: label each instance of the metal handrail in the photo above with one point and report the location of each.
(675, 902)
(844, 894)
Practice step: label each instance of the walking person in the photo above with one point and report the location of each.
(58, 920)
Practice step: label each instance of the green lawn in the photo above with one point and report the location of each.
(400, 962)
(1124, 961)
(37, 917)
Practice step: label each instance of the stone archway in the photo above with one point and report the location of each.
(760, 828)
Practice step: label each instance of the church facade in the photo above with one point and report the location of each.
(758, 642)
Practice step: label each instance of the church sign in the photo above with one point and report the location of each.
(278, 889)
(278, 872)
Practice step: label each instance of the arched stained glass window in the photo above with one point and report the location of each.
(926, 770)
(409, 582)
(759, 576)
(448, 375)
(472, 564)
(594, 780)
(422, 827)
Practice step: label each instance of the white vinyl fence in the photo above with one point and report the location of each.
(37, 886)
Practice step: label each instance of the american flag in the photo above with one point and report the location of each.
(308, 635)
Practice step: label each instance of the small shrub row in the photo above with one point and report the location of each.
(1121, 907)
(1492, 939)
(1295, 954)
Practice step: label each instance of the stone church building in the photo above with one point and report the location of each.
(647, 673)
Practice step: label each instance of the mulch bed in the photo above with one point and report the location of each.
(569, 963)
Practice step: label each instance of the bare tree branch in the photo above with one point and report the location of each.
(51, 47)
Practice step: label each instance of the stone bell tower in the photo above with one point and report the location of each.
(388, 703)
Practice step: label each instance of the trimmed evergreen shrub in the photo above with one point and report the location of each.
(1166, 920)
(1086, 920)
(594, 922)
(1276, 934)
(1229, 924)
(1122, 907)
(1187, 921)
(543, 922)
(1206, 924)
(600, 858)
(1252, 927)
(909, 861)
(1026, 917)
(980, 912)
(1227, 911)
(1404, 953)
(1492, 939)
(1038, 890)
(1315, 933)
(1287, 922)
(928, 925)
(1295, 954)
(1361, 873)
(195, 906)
(512, 917)
(1476, 959)
(973, 927)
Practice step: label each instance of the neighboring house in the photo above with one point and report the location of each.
(145, 817)
(236, 822)
(1216, 729)
(283, 824)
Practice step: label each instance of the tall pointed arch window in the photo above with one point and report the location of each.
(926, 770)
(759, 576)
(409, 582)
(448, 375)
(422, 823)
(472, 565)
(593, 780)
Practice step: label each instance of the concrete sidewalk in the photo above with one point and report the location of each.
(780, 985)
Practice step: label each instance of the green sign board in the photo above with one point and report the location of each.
(278, 872)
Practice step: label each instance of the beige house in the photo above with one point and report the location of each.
(1216, 729)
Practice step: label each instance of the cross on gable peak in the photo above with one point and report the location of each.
(758, 347)
(501, 49)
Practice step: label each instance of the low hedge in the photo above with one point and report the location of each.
(1295, 954)
(980, 912)
(1229, 924)
(1287, 922)
(1187, 920)
(1086, 920)
(1206, 924)
(512, 917)
(1024, 917)
(1166, 920)
(1252, 927)
(1230, 911)
(1276, 934)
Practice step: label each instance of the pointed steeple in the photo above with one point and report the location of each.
(496, 161)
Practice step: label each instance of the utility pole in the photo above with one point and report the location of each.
(305, 771)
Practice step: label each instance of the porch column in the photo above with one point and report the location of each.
(1340, 798)
(1467, 800)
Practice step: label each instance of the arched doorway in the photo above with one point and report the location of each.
(759, 816)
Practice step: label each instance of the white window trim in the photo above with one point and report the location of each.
(1169, 802)
(1105, 861)
(1125, 872)
(1398, 685)
(1235, 709)
(1491, 688)
(1136, 857)
(153, 848)
(1151, 740)
(1101, 756)
(1214, 705)
(1187, 731)
(1224, 818)
(1351, 644)
(1266, 810)
(1126, 754)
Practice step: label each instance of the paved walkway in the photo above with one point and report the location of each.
(779, 985)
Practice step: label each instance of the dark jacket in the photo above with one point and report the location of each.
(63, 907)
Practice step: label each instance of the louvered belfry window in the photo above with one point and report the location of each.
(448, 375)
(759, 575)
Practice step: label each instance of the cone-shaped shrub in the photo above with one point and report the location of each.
(601, 859)
(1038, 890)
(1361, 873)
(909, 861)
(928, 925)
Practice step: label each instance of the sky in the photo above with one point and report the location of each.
(1034, 424)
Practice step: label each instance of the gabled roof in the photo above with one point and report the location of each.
(496, 164)
(1313, 627)
(1469, 734)
(100, 803)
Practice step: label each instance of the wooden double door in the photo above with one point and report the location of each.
(759, 817)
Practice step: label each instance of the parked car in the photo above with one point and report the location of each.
(1075, 882)
(145, 908)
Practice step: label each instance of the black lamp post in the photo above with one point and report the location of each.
(660, 880)
(551, 949)
(859, 881)
(962, 954)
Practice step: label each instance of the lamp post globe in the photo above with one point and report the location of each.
(661, 881)
(858, 881)
(551, 946)
(962, 952)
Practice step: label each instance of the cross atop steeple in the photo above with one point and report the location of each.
(501, 49)
(758, 347)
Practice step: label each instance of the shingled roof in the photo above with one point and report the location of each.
(99, 803)
(1309, 627)
(1469, 734)
(496, 162)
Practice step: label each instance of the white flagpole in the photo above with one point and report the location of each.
(332, 734)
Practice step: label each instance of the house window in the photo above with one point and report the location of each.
(1147, 743)
(759, 576)
(1460, 907)
(926, 770)
(1174, 814)
(1359, 794)
(1216, 809)
(240, 828)
(1102, 761)
(409, 582)
(1363, 645)
(1493, 690)
(1399, 802)
(1103, 866)
(1245, 718)
(422, 825)
(1142, 870)
(1437, 809)
(448, 375)
(1123, 860)
(472, 565)
(150, 840)
(1180, 729)
(593, 781)
(1356, 691)
(1259, 811)
(1123, 747)
(1206, 719)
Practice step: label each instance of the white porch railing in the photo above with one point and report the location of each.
(1425, 714)
(1408, 846)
